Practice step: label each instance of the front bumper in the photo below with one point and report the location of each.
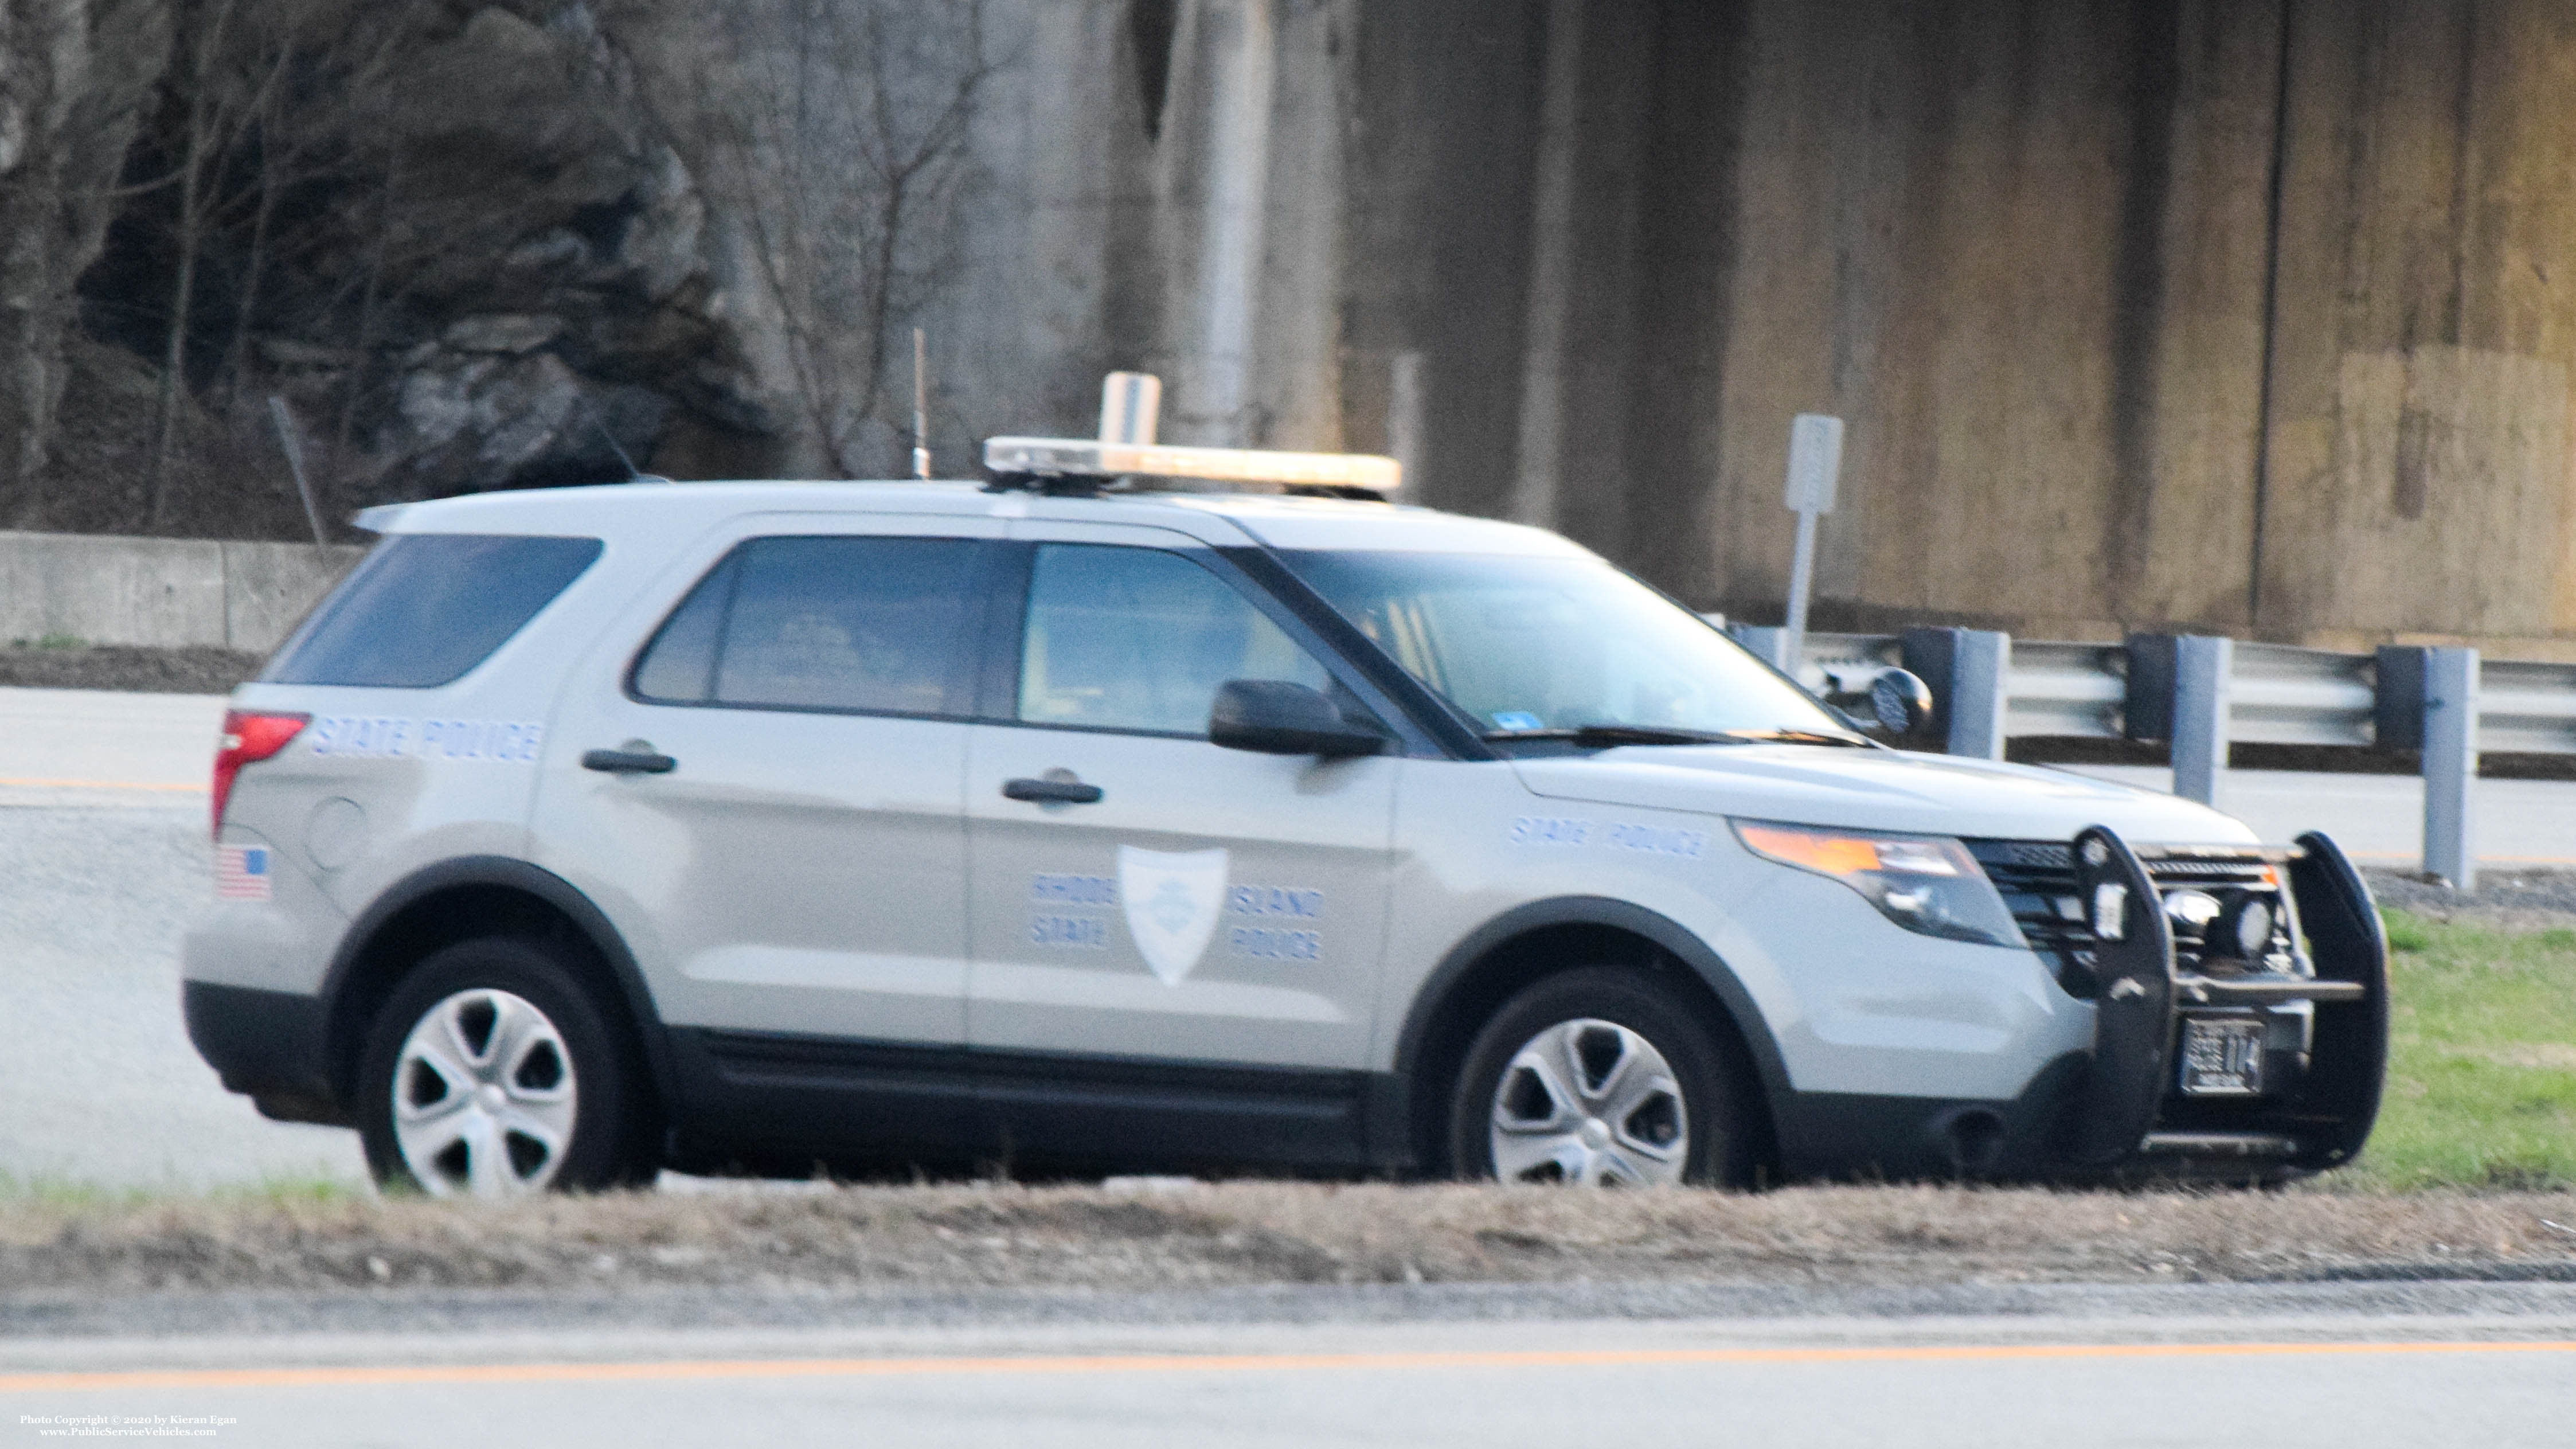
(2318, 1103)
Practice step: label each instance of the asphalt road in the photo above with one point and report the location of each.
(101, 750)
(103, 855)
(1932, 1383)
(2379, 819)
(100, 1082)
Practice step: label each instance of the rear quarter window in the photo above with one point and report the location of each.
(855, 624)
(424, 608)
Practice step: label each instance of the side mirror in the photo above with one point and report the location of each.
(1900, 701)
(1277, 717)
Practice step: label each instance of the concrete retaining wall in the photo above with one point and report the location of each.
(164, 592)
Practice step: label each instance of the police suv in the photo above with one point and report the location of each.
(1196, 810)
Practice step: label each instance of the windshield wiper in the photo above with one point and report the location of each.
(1602, 736)
(1622, 734)
(1797, 737)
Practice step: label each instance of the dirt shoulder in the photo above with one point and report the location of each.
(107, 666)
(2508, 898)
(1252, 1234)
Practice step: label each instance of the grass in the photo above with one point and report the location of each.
(55, 1194)
(2482, 1059)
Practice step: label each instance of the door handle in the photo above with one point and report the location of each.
(632, 758)
(1051, 792)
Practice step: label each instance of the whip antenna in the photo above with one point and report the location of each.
(920, 406)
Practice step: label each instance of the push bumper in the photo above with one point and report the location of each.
(2131, 1110)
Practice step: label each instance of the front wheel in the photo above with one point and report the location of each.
(493, 1073)
(1599, 1077)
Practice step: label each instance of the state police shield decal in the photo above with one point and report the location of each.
(1172, 901)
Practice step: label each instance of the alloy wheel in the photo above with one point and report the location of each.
(483, 1097)
(1589, 1103)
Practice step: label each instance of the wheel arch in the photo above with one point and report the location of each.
(1540, 939)
(463, 898)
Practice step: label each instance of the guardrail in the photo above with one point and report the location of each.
(2199, 695)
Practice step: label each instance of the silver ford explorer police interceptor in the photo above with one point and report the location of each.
(1096, 820)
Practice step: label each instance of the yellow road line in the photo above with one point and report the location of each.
(26, 784)
(573, 1373)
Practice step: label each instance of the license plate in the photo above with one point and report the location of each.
(2222, 1058)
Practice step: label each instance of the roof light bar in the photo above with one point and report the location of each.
(1090, 458)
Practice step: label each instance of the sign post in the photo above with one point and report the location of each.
(1815, 463)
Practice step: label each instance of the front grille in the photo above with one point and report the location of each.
(2037, 881)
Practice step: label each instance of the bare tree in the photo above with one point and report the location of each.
(264, 94)
(73, 77)
(271, 149)
(848, 138)
(211, 116)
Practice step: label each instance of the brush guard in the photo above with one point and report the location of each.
(2126, 1114)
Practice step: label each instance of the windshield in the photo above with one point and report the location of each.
(1526, 645)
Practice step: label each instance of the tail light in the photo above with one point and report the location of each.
(249, 738)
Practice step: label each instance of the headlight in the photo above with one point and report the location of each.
(1925, 883)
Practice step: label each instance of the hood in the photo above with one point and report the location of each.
(1876, 790)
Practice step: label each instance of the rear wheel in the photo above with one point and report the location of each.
(1600, 1077)
(494, 1073)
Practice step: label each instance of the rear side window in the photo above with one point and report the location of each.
(426, 607)
(865, 625)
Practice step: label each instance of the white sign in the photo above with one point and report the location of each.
(1172, 900)
(1815, 461)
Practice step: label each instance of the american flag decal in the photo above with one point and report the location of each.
(241, 872)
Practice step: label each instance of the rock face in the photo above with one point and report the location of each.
(572, 300)
(554, 346)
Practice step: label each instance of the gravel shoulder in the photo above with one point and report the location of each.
(914, 1253)
(2507, 899)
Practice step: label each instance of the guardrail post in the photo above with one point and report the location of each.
(2450, 735)
(1767, 643)
(2178, 688)
(1967, 670)
(2201, 669)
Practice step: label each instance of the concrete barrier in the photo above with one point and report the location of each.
(165, 592)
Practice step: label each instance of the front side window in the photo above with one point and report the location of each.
(424, 608)
(867, 625)
(1140, 639)
(1530, 645)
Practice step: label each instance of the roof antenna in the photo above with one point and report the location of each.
(920, 406)
(600, 421)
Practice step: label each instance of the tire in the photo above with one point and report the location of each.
(492, 1072)
(1597, 1077)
